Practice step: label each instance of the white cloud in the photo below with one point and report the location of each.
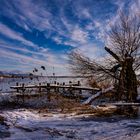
(14, 35)
(89, 26)
(32, 14)
(29, 15)
(84, 13)
(79, 35)
(92, 51)
(58, 40)
(97, 23)
(135, 8)
(22, 61)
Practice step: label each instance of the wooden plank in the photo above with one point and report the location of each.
(126, 104)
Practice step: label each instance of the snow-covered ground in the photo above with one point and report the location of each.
(29, 125)
(25, 124)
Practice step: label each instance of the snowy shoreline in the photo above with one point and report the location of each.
(26, 124)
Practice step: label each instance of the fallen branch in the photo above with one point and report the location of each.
(98, 94)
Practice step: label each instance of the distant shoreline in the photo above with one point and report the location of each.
(28, 76)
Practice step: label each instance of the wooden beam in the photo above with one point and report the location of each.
(112, 54)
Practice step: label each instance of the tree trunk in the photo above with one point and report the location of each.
(128, 82)
(131, 82)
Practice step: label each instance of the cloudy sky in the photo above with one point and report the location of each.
(43, 32)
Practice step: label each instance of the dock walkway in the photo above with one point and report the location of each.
(49, 86)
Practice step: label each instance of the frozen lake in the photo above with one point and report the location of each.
(7, 82)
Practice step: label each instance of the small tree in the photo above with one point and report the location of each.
(124, 49)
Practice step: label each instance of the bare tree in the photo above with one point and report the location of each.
(124, 48)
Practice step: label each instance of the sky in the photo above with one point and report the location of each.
(43, 32)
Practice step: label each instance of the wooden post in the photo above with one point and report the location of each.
(63, 85)
(17, 87)
(70, 82)
(79, 84)
(39, 87)
(57, 87)
(71, 91)
(48, 92)
(80, 91)
(48, 87)
(23, 90)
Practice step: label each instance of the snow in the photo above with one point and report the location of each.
(97, 94)
(26, 124)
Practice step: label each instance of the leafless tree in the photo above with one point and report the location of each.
(124, 49)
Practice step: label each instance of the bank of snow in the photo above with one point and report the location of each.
(26, 124)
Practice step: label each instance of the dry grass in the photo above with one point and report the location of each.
(72, 106)
(55, 102)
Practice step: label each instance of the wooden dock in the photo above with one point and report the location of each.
(56, 86)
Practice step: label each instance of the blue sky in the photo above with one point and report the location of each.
(43, 32)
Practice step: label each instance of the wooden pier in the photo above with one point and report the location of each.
(55, 86)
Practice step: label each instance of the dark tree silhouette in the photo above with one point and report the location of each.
(124, 49)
